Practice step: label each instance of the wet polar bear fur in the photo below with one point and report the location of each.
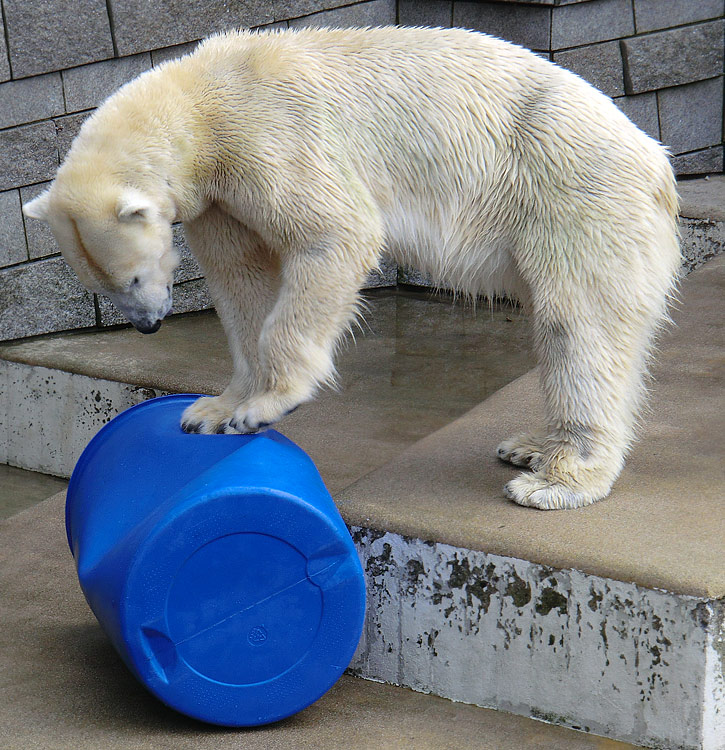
(295, 158)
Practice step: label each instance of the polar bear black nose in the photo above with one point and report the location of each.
(152, 328)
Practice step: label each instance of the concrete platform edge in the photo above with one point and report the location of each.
(48, 416)
(607, 657)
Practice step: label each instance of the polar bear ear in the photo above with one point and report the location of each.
(134, 206)
(38, 207)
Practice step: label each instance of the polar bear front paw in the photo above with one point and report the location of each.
(522, 450)
(208, 415)
(537, 491)
(262, 411)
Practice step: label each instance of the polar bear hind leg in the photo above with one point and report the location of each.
(595, 314)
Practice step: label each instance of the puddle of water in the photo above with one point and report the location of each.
(422, 362)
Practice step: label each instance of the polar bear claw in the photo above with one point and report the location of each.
(522, 450)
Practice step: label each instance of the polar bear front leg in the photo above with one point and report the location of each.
(242, 274)
(316, 303)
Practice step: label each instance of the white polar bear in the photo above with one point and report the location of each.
(295, 158)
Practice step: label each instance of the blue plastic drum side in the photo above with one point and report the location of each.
(218, 565)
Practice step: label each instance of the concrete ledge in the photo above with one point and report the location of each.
(582, 651)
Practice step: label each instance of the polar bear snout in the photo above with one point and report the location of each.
(148, 329)
(143, 308)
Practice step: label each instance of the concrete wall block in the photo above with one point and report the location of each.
(89, 85)
(414, 277)
(651, 15)
(41, 242)
(529, 26)
(431, 13)
(586, 23)
(4, 60)
(674, 57)
(46, 36)
(159, 56)
(707, 161)
(277, 26)
(67, 129)
(13, 248)
(289, 9)
(600, 64)
(691, 116)
(189, 268)
(373, 13)
(31, 99)
(386, 275)
(192, 296)
(28, 154)
(700, 240)
(142, 25)
(642, 111)
(108, 314)
(42, 297)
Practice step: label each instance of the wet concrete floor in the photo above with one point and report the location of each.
(417, 362)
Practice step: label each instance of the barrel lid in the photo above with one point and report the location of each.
(244, 609)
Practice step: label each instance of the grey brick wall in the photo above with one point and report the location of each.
(661, 60)
(62, 59)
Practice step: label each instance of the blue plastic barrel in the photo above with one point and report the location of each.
(218, 565)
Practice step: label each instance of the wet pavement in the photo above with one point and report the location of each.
(417, 362)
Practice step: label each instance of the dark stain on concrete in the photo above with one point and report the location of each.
(414, 570)
(595, 600)
(377, 565)
(367, 536)
(481, 589)
(460, 573)
(551, 599)
(431, 641)
(519, 591)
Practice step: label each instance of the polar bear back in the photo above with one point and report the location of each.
(458, 143)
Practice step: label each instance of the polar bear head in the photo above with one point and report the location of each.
(117, 239)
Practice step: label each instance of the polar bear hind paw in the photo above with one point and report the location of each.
(522, 450)
(536, 491)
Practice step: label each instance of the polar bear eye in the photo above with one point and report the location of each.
(135, 281)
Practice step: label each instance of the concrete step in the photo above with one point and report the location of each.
(19, 489)
(62, 685)
(419, 363)
(609, 619)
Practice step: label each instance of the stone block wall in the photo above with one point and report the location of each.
(661, 60)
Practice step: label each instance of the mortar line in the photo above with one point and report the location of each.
(3, 18)
(112, 28)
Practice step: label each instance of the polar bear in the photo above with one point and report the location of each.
(295, 158)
